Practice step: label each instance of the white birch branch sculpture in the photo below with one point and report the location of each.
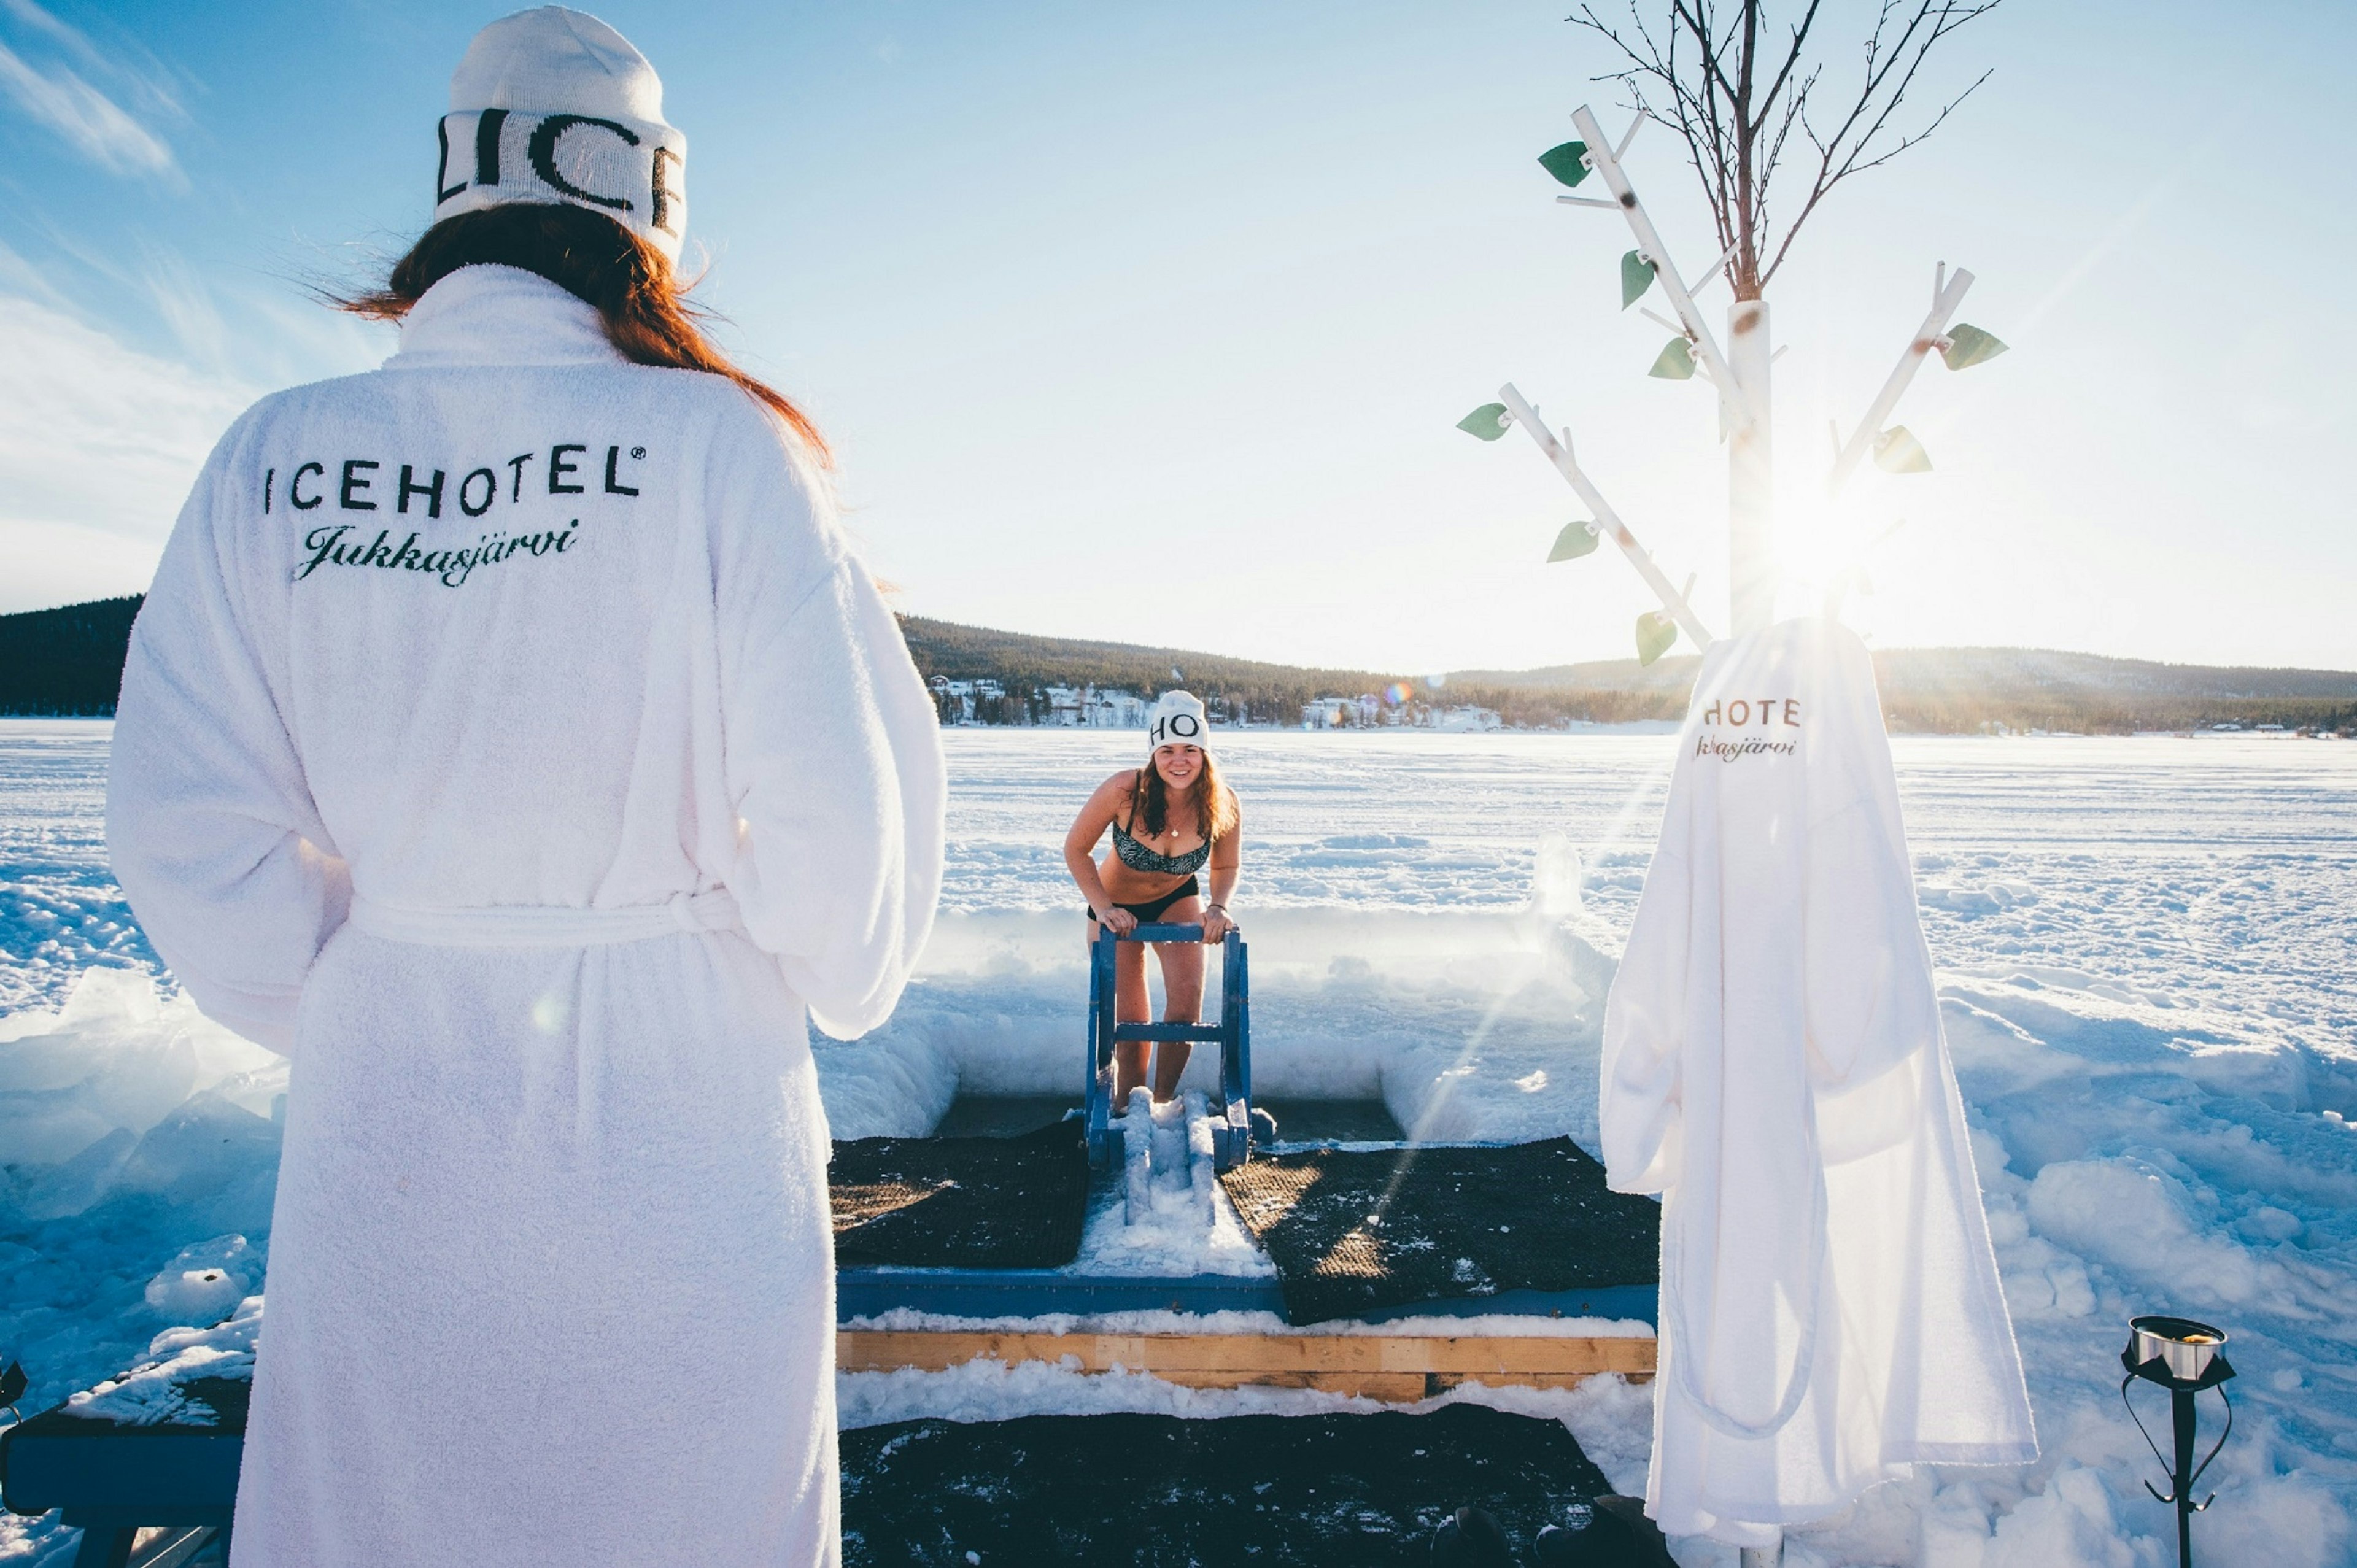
(1745, 401)
(1608, 521)
(1601, 158)
(1947, 293)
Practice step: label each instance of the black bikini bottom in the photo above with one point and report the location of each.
(1152, 910)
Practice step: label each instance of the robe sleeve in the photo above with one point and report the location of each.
(210, 821)
(1645, 1022)
(833, 754)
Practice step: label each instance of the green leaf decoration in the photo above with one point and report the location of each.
(1897, 452)
(1576, 539)
(1636, 277)
(1564, 163)
(1488, 422)
(1656, 635)
(1676, 363)
(1969, 346)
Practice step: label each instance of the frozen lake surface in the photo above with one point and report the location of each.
(2146, 950)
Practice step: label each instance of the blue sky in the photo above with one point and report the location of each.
(1151, 322)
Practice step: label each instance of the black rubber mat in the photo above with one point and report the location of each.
(1355, 1230)
(1350, 1491)
(961, 1203)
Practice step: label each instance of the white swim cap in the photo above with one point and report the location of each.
(1176, 719)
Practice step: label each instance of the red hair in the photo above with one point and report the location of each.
(645, 306)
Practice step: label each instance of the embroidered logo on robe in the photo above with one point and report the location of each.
(359, 484)
(1761, 726)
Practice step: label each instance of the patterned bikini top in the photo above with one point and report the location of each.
(1140, 857)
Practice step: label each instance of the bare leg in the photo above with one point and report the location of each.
(1182, 994)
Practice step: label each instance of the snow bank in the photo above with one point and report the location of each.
(138, 1153)
(125, 1091)
(1467, 1024)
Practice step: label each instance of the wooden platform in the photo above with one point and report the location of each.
(1395, 1369)
(863, 1292)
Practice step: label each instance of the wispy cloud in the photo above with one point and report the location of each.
(97, 436)
(260, 327)
(188, 310)
(46, 87)
(100, 440)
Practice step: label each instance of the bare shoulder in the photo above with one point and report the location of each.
(1104, 804)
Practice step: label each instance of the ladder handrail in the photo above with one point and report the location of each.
(1232, 1033)
(1159, 932)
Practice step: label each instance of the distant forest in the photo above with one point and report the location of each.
(69, 662)
(65, 662)
(1243, 690)
(1939, 691)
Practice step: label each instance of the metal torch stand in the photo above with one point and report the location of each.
(2184, 1474)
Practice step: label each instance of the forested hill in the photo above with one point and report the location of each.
(1959, 690)
(1021, 662)
(65, 662)
(1244, 688)
(69, 661)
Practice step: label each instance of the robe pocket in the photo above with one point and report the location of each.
(1858, 1120)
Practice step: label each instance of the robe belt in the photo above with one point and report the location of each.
(546, 925)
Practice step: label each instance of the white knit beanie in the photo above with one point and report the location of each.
(1176, 719)
(554, 105)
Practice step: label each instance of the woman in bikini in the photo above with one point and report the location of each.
(1171, 820)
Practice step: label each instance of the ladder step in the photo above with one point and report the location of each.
(1167, 1031)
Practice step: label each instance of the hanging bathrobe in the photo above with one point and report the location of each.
(1774, 1067)
(511, 737)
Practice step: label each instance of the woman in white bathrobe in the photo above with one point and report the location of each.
(512, 736)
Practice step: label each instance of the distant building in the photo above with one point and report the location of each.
(1088, 707)
(966, 702)
(1115, 710)
(1466, 717)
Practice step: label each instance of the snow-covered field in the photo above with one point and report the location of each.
(2145, 950)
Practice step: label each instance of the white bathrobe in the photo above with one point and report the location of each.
(1774, 1067)
(554, 672)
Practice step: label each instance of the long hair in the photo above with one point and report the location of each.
(1215, 808)
(642, 300)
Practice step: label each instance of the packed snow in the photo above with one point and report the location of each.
(1157, 1321)
(158, 1390)
(2143, 948)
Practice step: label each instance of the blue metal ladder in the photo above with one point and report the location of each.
(1232, 1126)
